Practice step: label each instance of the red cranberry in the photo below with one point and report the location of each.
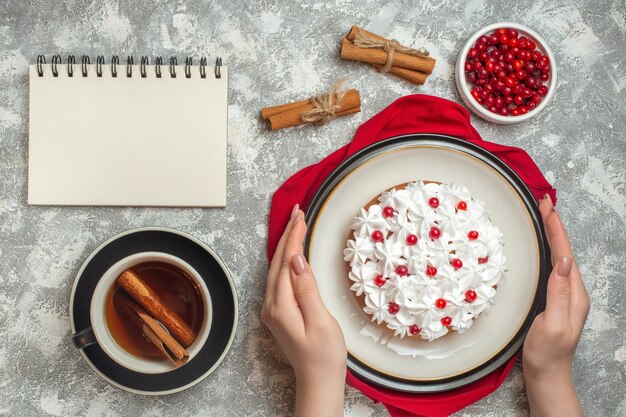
(510, 81)
(530, 81)
(470, 295)
(504, 111)
(471, 77)
(393, 308)
(543, 90)
(480, 46)
(496, 53)
(468, 66)
(414, 329)
(544, 76)
(490, 101)
(483, 260)
(434, 233)
(431, 271)
(513, 42)
(481, 81)
(512, 33)
(456, 263)
(530, 67)
(472, 53)
(433, 202)
(377, 236)
(537, 56)
(462, 205)
(545, 69)
(482, 72)
(501, 31)
(505, 48)
(536, 98)
(527, 92)
(504, 39)
(530, 45)
(531, 105)
(518, 64)
(388, 212)
(489, 66)
(499, 102)
(411, 240)
(522, 42)
(483, 55)
(379, 280)
(508, 99)
(507, 91)
(521, 74)
(482, 39)
(472, 235)
(509, 57)
(515, 112)
(523, 109)
(477, 65)
(493, 39)
(440, 303)
(402, 270)
(491, 49)
(446, 321)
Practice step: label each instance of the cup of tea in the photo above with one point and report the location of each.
(142, 306)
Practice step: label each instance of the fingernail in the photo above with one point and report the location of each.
(294, 210)
(299, 264)
(565, 266)
(549, 200)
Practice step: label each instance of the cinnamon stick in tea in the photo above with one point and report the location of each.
(168, 346)
(139, 291)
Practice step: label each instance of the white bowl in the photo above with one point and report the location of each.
(464, 87)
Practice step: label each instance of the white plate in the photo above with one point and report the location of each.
(412, 359)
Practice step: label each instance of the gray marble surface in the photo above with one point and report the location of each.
(279, 51)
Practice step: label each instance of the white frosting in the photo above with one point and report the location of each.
(416, 294)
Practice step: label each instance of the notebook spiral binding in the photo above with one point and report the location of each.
(57, 61)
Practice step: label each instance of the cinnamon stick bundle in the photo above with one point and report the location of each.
(143, 295)
(314, 110)
(409, 64)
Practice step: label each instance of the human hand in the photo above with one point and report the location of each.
(552, 339)
(307, 333)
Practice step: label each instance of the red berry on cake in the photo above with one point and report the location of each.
(470, 295)
(431, 271)
(393, 308)
(388, 212)
(434, 233)
(472, 235)
(411, 240)
(402, 270)
(380, 280)
(433, 202)
(440, 303)
(462, 205)
(414, 329)
(377, 236)
(456, 263)
(446, 321)
(483, 260)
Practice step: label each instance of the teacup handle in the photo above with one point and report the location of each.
(84, 338)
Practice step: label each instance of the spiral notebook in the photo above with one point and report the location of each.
(127, 134)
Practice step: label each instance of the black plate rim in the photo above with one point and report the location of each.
(230, 282)
(375, 377)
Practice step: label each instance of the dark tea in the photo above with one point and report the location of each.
(175, 288)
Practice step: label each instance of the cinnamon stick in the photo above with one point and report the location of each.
(271, 111)
(406, 74)
(159, 337)
(350, 104)
(139, 291)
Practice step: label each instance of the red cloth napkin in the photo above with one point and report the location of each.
(411, 114)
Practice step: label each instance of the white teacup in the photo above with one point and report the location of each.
(100, 334)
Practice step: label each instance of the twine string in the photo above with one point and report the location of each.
(391, 46)
(325, 105)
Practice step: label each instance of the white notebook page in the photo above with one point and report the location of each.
(122, 141)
